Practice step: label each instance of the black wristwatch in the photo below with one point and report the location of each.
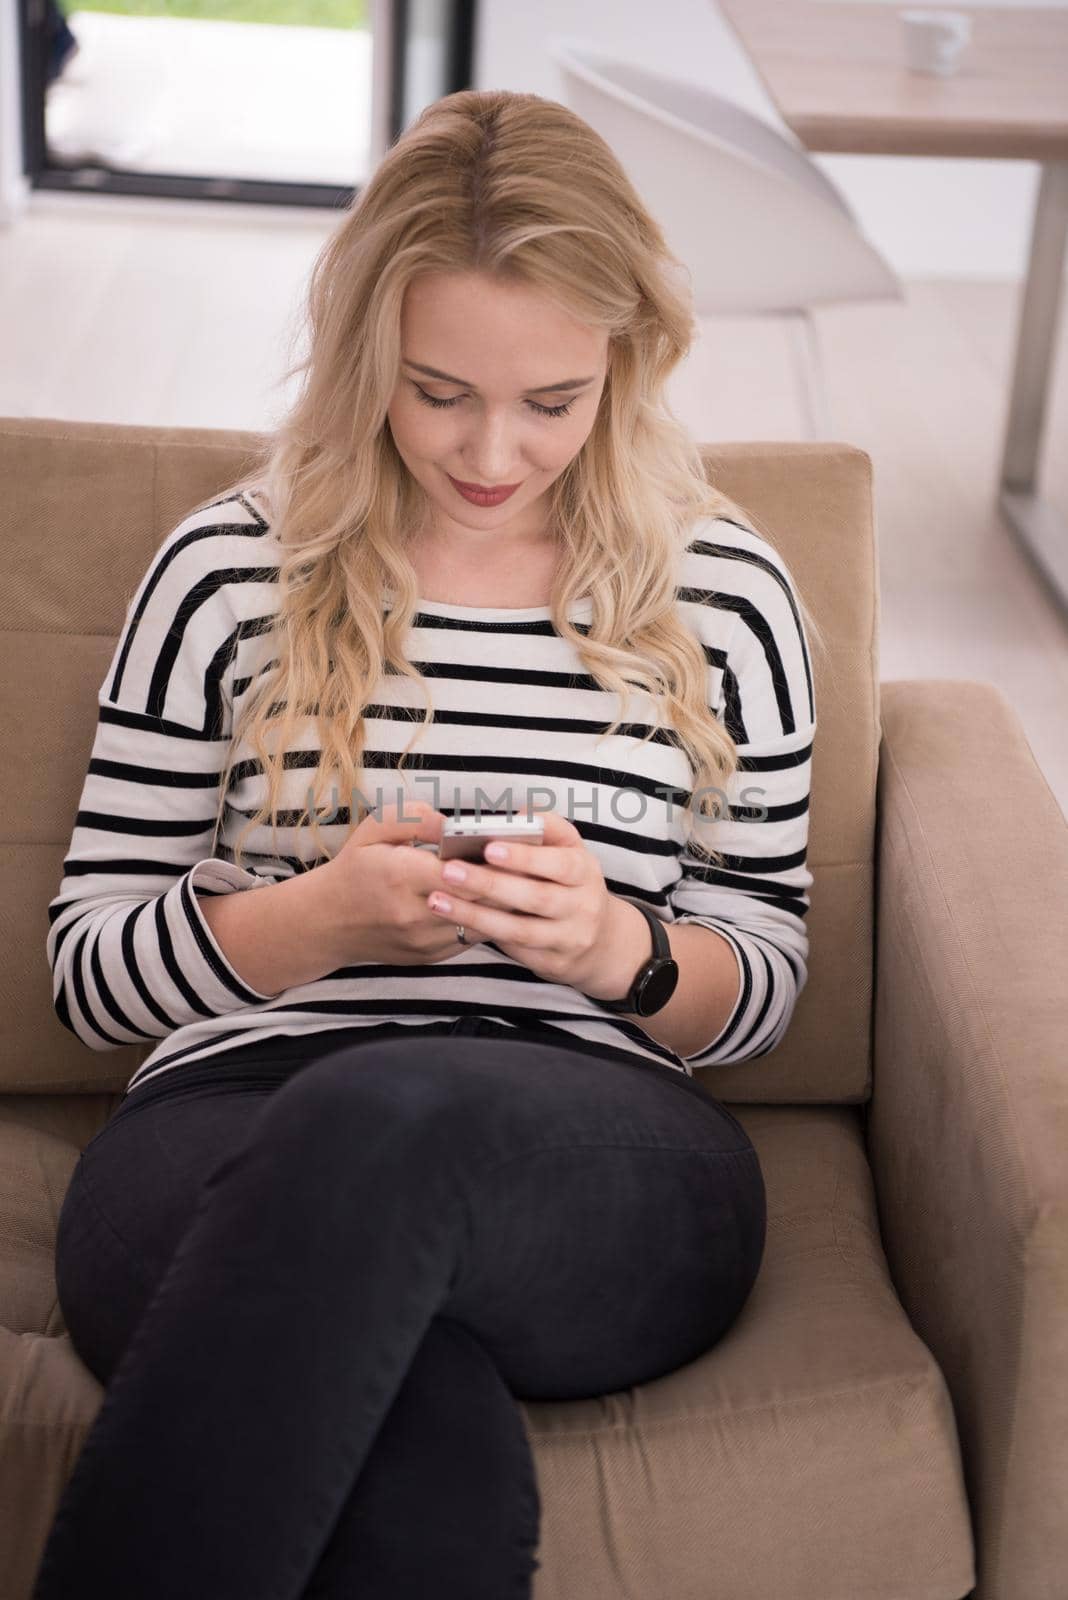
(655, 980)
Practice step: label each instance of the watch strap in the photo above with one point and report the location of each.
(661, 951)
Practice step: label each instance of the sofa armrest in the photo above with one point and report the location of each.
(968, 1123)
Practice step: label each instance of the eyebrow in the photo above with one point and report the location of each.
(545, 388)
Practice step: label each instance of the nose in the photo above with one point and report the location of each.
(490, 457)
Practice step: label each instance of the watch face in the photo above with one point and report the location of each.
(658, 988)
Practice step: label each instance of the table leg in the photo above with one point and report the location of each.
(1041, 529)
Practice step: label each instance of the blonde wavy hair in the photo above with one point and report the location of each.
(521, 188)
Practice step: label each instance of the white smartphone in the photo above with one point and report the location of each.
(464, 838)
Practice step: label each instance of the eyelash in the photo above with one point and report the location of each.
(544, 411)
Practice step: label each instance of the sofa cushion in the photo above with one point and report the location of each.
(812, 1453)
(35, 1171)
(790, 1458)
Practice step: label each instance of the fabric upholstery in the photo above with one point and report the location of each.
(888, 1416)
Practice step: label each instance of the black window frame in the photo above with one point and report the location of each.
(97, 178)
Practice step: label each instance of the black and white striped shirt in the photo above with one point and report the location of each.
(132, 957)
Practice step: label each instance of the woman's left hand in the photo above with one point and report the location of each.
(547, 906)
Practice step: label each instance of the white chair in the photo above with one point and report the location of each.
(758, 224)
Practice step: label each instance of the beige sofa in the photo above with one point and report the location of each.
(888, 1418)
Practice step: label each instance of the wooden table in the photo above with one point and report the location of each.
(836, 73)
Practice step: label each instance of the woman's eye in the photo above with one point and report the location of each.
(544, 411)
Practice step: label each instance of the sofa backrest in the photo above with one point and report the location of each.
(84, 508)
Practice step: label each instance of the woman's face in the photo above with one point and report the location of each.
(492, 424)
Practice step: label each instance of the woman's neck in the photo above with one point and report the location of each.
(520, 578)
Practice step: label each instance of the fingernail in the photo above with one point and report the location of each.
(497, 852)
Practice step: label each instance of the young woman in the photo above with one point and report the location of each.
(408, 1150)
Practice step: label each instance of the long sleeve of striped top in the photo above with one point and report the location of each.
(132, 957)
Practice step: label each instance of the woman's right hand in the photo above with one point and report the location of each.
(381, 887)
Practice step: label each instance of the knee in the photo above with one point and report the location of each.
(349, 1125)
(385, 1088)
(385, 1115)
(753, 1220)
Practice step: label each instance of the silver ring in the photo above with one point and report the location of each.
(460, 933)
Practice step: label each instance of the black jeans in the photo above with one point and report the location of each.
(315, 1284)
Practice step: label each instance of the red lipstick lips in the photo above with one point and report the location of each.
(482, 497)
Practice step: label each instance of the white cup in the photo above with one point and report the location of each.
(934, 40)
